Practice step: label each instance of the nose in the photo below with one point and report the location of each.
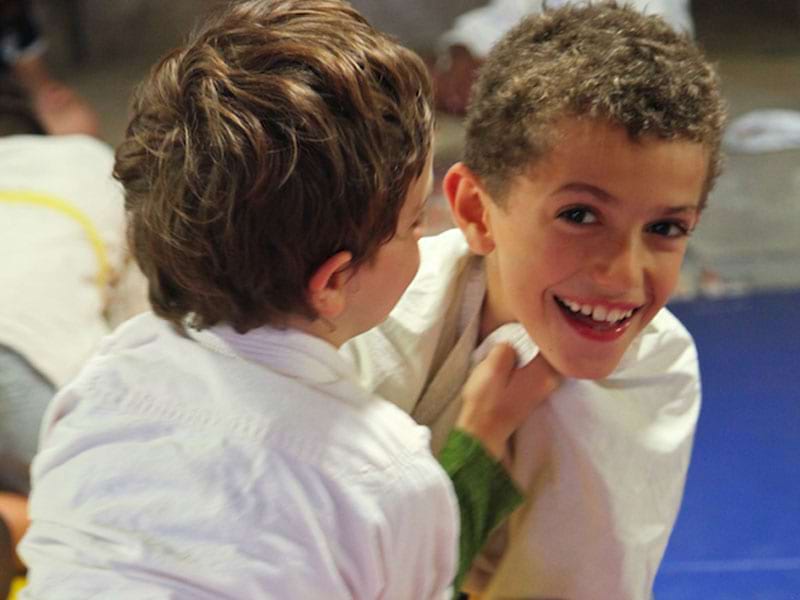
(619, 264)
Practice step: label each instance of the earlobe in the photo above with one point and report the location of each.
(469, 207)
(326, 286)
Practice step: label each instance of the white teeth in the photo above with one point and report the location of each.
(598, 313)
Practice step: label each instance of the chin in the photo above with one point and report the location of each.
(585, 369)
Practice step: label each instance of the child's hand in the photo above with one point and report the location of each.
(498, 398)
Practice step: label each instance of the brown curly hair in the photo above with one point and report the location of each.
(602, 61)
(283, 132)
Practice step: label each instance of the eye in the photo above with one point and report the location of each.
(669, 229)
(580, 215)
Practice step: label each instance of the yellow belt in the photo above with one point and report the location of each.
(65, 208)
(16, 587)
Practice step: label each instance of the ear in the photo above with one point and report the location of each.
(326, 286)
(469, 207)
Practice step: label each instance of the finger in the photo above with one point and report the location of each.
(538, 375)
(499, 362)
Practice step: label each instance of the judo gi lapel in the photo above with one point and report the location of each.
(440, 402)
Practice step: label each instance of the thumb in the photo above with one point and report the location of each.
(538, 376)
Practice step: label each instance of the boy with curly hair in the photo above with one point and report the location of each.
(275, 171)
(593, 139)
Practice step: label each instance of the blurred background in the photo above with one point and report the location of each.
(738, 535)
(749, 236)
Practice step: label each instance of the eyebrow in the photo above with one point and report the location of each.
(587, 188)
(603, 196)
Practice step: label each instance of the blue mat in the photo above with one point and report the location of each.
(738, 533)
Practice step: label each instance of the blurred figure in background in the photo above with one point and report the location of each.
(65, 280)
(464, 47)
(58, 108)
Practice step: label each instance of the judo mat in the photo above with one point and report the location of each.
(738, 532)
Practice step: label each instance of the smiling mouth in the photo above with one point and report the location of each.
(594, 321)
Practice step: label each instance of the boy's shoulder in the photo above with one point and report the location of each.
(137, 360)
(141, 342)
(148, 380)
(151, 370)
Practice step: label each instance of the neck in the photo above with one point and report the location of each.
(493, 311)
(321, 328)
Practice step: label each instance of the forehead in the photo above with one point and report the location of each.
(594, 147)
(605, 156)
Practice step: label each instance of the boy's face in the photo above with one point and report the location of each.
(379, 284)
(588, 245)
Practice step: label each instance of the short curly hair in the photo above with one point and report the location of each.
(603, 61)
(283, 132)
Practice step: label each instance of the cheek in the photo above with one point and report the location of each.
(525, 288)
(546, 248)
(412, 261)
(665, 279)
(405, 267)
(416, 257)
(544, 267)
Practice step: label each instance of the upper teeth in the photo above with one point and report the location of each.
(598, 313)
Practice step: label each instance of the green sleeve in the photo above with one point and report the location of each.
(486, 494)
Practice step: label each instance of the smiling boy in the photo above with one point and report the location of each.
(592, 142)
